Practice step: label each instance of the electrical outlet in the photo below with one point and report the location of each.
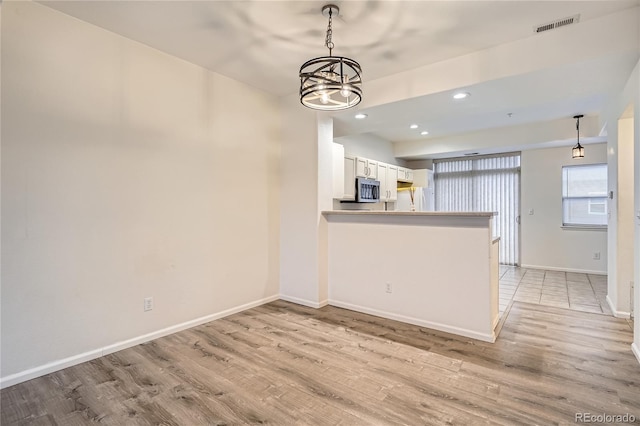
(148, 303)
(530, 211)
(596, 255)
(389, 287)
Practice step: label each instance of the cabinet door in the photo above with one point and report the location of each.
(405, 175)
(361, 167)
(382, 177)
(409, 175)
(372, 169)
(349, 178)
(392, 183)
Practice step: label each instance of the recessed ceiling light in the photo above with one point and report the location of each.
(461, 95)
(414, 126)
(424, 132)
(360, 116)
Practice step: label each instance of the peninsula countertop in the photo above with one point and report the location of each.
(404, 213)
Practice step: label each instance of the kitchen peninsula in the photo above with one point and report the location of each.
(433, 269)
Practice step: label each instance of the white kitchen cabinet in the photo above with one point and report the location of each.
(366, 168)
(409, 175)
(349, 192)
(382, 177)
(388, 177)
(392, 182)
(405, 175)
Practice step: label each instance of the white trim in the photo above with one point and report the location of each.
(616, 313)
(496, 320)
(584, 227)
(304, 302)
(636, 350)
(50, 367)
(41, 370)
(491, 338)
(555, 268)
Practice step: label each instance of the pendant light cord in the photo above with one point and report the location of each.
(578, 128)
(328, 41)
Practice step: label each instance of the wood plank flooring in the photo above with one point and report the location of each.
(285, 364)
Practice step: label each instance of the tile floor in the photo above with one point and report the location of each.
(580, 292)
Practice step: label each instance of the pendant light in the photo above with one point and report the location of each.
(578, 150)
(330, 83)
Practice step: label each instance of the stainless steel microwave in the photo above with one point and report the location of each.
(367, 190)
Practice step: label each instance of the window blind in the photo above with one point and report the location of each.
(487, 183)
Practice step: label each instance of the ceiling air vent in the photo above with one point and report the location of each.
(557, 24)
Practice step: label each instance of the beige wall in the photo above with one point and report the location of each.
(440, 278)
(299, 191)
(545, 244)
(625, 217)
(370, 146)
(126, 173)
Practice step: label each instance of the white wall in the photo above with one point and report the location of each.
(544, 243)
(431, 286)
(300, 192)
(126, 173)
(420, 164)
(619, 148)
(369, 146)
(625, 217)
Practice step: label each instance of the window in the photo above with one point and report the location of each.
(584, 195)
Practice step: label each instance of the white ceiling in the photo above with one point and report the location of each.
(263, 43)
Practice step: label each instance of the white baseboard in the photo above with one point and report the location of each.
(32, 373)
(616, 313)
(636, 350)
(415, 321)
(555, 268)
(304, 302)
(496, 320)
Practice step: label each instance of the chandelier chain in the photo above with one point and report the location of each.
(328, 42)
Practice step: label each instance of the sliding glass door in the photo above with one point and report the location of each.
(487, 183)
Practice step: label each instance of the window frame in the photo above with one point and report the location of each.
(590, 200)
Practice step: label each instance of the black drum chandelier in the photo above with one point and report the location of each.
(330, 83)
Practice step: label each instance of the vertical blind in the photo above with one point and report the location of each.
(488, 183)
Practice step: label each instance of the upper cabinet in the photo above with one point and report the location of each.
(388, 177)
(349, 182)
(347, 167)
(405, 175)
(366, 168)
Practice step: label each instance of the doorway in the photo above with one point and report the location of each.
(484, 183)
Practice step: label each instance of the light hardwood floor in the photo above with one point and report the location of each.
(286, 364)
